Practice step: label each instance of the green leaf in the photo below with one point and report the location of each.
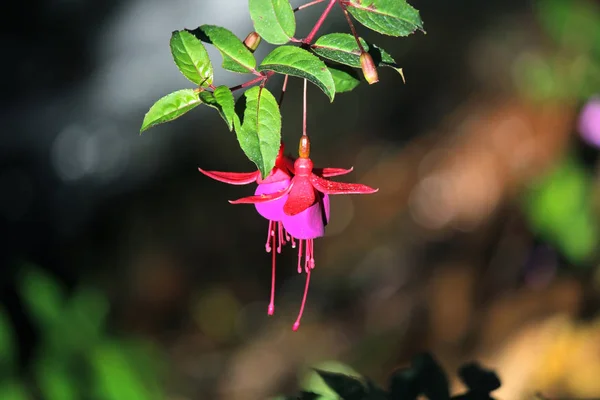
(7, 343)
(342, 48)
(345, 79)
(43, 296)
(273, 20)
(259, 132)
(236, 57)
(388, 17)
(222, 100)
(298, 62)
(191, 58)
(347, 387)
(12, 389)
(170, 107)
(55, 381)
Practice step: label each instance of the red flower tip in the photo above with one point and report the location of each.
(233, 178)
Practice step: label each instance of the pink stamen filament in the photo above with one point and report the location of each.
(297, 323)
(270, 233)
(299, 255)
(271, 309)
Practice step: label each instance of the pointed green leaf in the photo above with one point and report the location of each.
(43, 296)
(191, 58)
(342, 48)
(221, 99)
(259, 130)
(298, 62)
(273, 20)
(7, 343)
(347, 387)
(170, 107)
(345, 79)
(388, 17)
(236, 56)
(54, 380)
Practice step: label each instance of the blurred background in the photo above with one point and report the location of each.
(126, 274)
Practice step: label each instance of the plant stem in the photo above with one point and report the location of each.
(312, 3)
(312, 33)
(304, 111)
(262, 78)
(285, 80)
(360, 46)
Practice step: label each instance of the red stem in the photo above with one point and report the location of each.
(312, 33)
(262, 78)
(312, 3)
(360, 46)
(285, 80)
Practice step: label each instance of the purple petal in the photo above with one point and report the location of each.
(272, 210)
(589, 122)
(310, 223)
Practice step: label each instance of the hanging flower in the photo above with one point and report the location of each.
(306, 209)
(272, 192)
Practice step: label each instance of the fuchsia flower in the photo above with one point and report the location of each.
(306, 208)
(278, 179)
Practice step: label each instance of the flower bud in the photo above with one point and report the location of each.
(304, 148)
(252, 41)
(368, 68)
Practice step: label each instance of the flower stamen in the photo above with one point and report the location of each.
(297, 323)
(271, 309)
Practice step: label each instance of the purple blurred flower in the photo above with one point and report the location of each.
(589, 121)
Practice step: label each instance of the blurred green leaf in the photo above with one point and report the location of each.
(312, 382)
(191, 58)
(404, 385)
(170, 107)
(259, 131)
(54, 381)
(236, 57)
(13, 390)
(114, 377)
(273, 20)
(389, 17)
(7, 343)
(43, 296)
(347, 387)
(298, 62)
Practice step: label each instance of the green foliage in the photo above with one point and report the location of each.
(75, 358)
(171, 106)
(298, 62)
(425, 377)
(345, 79)
(222, 100)
(236, 57)
(191, 58)
(259, 129)
(273, 20)
(559, 208)
(388, 17)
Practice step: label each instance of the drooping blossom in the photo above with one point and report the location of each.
(306, 209)
(589, 122)
(278, 179)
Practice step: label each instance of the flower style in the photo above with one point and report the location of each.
(306, 208)
(278, 179)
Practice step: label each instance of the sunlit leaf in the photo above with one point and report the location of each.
(298, 62)
(389, 17)
(191, 58)
(345, 79)
(222, 100)
(170, 107)
(236, 57)
(274, 20)
(259, 130)
(43, 296)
